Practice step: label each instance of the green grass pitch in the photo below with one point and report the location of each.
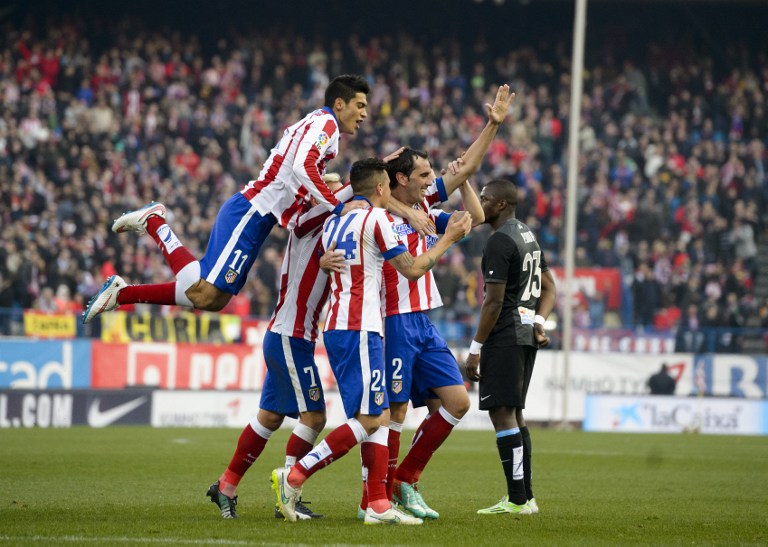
(136, 485)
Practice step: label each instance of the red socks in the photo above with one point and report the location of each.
(163, 293)
(335, 445)
(249, 447)
(393, 445)
(436, 429)
(373, 453)
(176, 255)
(296, 448)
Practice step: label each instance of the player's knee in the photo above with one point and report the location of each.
(270, 420)
(458, 407)
(314, 420)
(398, 411)
(206, 297)
(370, 423)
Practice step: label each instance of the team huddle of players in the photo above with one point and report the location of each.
(364, 251)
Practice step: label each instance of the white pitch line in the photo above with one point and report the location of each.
(125, 539)
(174, 541)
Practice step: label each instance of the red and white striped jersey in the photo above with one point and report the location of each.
(400, 295)
(292, 173)
(303, 289)
(303, 285)
(368, 238)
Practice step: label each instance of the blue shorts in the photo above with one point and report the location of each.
(418, 359)
(292, 384)
(357, 361)
(235, 241)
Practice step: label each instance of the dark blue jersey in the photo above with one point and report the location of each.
(513, 256)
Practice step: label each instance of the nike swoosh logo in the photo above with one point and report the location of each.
(99, 418)
(484, 398)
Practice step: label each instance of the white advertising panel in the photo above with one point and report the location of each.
(235, 409)
(668, 414)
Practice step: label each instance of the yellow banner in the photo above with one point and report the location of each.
(122, 327)
(44, 325)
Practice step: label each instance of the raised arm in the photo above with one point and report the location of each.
(472, 203)
(473, 157)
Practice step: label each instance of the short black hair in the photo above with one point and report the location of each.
(362, 175)
(404, 163)
(503, 189)
(345, 87)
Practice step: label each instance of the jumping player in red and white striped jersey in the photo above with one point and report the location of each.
(291, 174)
(420, 367)
(353, 338)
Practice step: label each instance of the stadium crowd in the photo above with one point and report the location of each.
(673, 171)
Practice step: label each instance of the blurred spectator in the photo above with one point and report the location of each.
(661, 382)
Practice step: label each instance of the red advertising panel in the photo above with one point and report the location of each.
(594, 282)
(186, 366)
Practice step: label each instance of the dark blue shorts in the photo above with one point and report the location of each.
(292, 384)
(417, 358)
(357, 361)
(236, 239)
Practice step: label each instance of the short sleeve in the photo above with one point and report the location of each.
(385, 235)
(499, 253)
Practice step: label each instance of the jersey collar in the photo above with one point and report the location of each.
(332, 113)
(363, 198)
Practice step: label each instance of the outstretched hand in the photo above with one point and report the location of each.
(454, 167)
(420, 221)
(459, 226)
(352, 205)
(394, 155)
(498, 111)
(332, 260)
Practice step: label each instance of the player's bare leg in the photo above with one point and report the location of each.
(206, 296)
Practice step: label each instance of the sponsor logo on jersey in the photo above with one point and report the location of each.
(322, 139)
(397, 386)
(230, 276)
(379, 398)
(314, 394)
(403, 229)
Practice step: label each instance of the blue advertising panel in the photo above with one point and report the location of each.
(45, 364)
(730, 375)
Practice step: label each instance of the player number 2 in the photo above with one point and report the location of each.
(376, 383)
(397, 374)
(532, 265)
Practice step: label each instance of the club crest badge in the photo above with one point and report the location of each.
(230, 276)
(379, 398)
(314, 394)
(397, 386)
